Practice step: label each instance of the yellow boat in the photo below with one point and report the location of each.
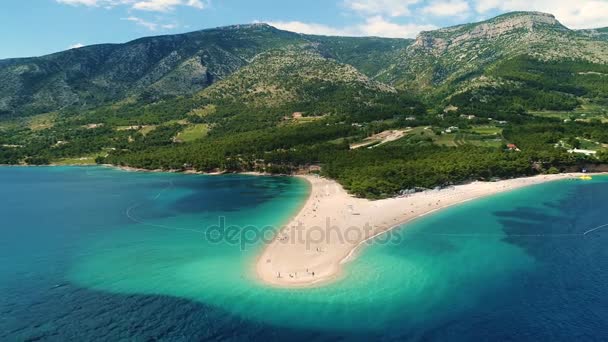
(586, 177)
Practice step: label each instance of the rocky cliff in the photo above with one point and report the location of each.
(439, 41)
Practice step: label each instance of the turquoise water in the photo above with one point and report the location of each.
(101, 253)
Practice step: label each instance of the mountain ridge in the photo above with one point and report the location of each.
(443, 57)
(266, 25)
(382, 116)
(184, 64)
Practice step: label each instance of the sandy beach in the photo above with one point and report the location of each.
(332, 225)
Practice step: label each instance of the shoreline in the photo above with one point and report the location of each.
(287, 262)
(299, 257)
(186, 172)
(135, 169)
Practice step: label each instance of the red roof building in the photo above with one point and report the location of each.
(513, 147)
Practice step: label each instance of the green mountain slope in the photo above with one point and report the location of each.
(456, 54)
(600, 33)
(294, 75)
(155, 66)
(436, 65)
(370, 55)
(379, 115)
(171, 65)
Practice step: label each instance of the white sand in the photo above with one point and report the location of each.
(305, 245)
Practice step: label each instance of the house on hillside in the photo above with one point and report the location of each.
(293, 116)
(513, 147)
(451, 129)
(582, 151)
(450, 108)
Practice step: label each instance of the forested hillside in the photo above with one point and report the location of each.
(516, 95)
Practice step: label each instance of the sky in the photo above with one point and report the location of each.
(38, 27)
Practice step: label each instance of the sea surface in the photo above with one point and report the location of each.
(96, 253)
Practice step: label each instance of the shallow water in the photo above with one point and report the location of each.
(101, 253)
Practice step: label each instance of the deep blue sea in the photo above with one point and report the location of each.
(92, 253)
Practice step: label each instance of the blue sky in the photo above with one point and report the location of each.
(37, 27)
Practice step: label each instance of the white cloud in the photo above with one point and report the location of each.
(373, 26)
(157, 5)
(141, 22)
(196, 4)
(458, 8)
(378, 26)
(143, 5)
(380, 17)
(152, 26)
(392, 8)
(572, 13)
(76, 46)
(483, 6)
(311, 28)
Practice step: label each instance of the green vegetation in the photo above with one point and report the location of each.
(441, 110)
(90, 159)
(193, 133)
(42, 121)
(384, 171)
(487, 130)
(585, 112)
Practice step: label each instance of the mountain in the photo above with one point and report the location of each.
(436, 64)
(161, 66)
(165, 65)
(293, 75)
(370, 55)
(454, 54)
(379, 115)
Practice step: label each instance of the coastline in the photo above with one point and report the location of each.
(292, 262)
(135, 169)
(187, 172)
(332, 225)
